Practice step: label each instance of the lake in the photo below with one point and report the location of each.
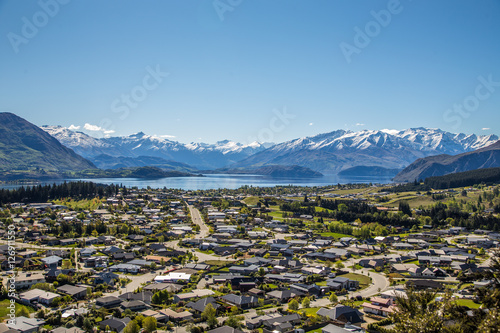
(216, 181)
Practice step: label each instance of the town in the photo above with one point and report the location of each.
(284, 259)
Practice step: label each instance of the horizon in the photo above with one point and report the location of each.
(385, 130)
(193, 71)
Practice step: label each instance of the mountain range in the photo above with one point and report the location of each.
(137, 147)
(336, 151)
(328, 153)
(439, 165)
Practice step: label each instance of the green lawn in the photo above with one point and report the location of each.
(277, 215)
(318, 330)
(321, 209)
(334, 234)
(216, 262)
(364, 281)
(310, 311)
(251, 200)
(4, 310)
(469, 303)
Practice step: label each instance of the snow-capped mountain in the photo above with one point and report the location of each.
(328, 152)
(199, 155)
(339, 150)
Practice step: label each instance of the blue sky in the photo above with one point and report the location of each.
(251, 69)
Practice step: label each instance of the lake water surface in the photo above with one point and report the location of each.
(216, 181)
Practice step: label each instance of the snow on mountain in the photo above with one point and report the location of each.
(327, 152)
(73, 138)
(339, 150)
(421, 139)
(200, 155)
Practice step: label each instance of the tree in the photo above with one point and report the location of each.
(22, 312)
(234, 321)
(87, 325)
(419, 313)
(261, 302)
(262, 271)
(132, 327)
(209, 315)
(66, 264)
(306, 302)
(491, 324)
(339, 265)
(293, 304)
(234, 310)
(149, 324)
(404, 207)
(333, 298)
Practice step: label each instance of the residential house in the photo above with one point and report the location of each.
(129, 268)
(134, 305)
(52, 261)
(283, 323)
(87, 252)
(342, 313)
(306, 289)
(339, 283)
(379, 306)
(25, 325)
(39, 296)
(242, 302)
(282, 295)
(200, 305)
(105, 277)
(114, 324)
(108, 302)
(348, 328)
(173, 277)
(170, 287)
(177, 316)
(26, 280)
(144, 296)
(225, 329)
(197, 293)
(74, 291)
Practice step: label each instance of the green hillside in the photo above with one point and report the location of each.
(25, 147)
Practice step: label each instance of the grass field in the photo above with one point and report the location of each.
(216, 262)
(277, 215)
(252, 201)
(84, 204)
(364, 281)
(318, 330)
(334, 234)
(310, 311)
(469, 303)
(319, 209)
(4, 310)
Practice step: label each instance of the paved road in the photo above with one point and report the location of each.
(137, 281)
(197, 219)
(204, 232)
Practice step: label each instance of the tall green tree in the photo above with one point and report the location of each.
(149, 324)
(209, 315)
(293, 304)
(132, 327)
